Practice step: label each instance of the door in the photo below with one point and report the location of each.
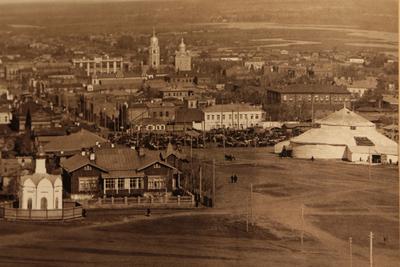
(43, 203)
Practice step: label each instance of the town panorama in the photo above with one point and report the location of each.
(199, 133)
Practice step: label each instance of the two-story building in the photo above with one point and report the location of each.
(316, 94)
(233, 116)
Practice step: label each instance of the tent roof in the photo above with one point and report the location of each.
(345, 117)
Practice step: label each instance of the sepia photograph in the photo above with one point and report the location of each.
(199, 133)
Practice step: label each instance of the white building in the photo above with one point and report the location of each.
(345, 135)
(236, 116)
(183, 59)
(5, 115)
(154, 52)
(104, 64)
(40, 190)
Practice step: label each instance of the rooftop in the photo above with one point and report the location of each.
(235, 107)
(312, 88)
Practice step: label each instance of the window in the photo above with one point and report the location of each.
(223, 117)
(256, 116)
(157, 166)
(156, 183)
(161, 113)
(241, 116)
(166, 114)
(87, 168)
(284, 97)
(353, 127)
(236, 116)
(110, 184)
(218, 117)
(245, 116)
(154, 114)
(121, 183)
(212, 117)
(136, 183)
(230, 116)
(87, 184)
(251, 117)
(208, 117)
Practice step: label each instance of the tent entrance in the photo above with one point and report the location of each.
(376, 159)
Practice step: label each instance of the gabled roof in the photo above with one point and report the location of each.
(172, 151)
(78, 161)
(345, 117)
(159, 162)
(73, 142)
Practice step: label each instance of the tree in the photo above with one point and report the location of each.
(125, 42)
(28, 121)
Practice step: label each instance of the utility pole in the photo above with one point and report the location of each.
(200, 181)
(369, 163)
(213, 182)
(302, 226)
(351, 251)
(251, 204)
(247, 215)
(371, 240)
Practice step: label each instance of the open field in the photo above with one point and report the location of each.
(339, 201)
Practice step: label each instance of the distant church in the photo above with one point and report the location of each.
(183, 60)
(154, 52)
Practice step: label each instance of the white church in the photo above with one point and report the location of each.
(40, 190)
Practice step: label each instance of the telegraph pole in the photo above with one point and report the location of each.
(302, 226)
(251, 204)
(369, 163)
(200, 178)
(247, 214)
(351, 251)
(371, 260)
(213, 183)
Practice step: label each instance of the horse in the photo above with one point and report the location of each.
(229, 157)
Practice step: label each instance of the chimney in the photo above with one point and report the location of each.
(141, 152)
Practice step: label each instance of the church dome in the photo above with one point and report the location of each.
(154, 39)
(182, 46)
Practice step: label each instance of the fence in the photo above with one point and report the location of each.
(123, 202)
(42, 215)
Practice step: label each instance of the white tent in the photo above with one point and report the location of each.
(345, 135)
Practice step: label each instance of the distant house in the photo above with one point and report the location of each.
(176, 92)
(68, 145)
(41, 117)
(118, 172)
(318, 94)
(150, 125)
(5, 114)
(234, 116)
(359, 87)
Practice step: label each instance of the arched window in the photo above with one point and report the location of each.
(43, 203)
(56, 206)
(29, 203)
